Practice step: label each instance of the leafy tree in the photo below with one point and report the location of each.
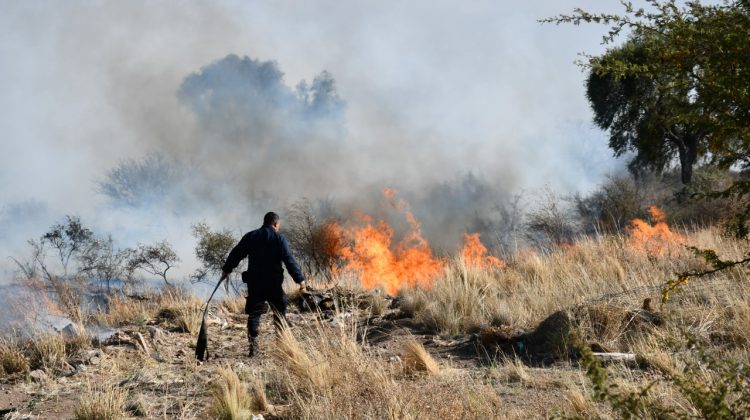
(644, 113)
(679, 85)
(701, 53)
(68, 240)
(155, 259)
(212, 249)
(105, 263)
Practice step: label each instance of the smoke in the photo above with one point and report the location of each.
(144, 117)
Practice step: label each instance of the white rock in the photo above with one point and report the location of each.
(38, 375)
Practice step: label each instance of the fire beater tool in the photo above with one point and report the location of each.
(201, 347)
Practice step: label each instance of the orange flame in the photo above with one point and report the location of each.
(369, 250)
(475, 254)
(655, 238)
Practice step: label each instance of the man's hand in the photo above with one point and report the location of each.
(224, 276)
(302, 287)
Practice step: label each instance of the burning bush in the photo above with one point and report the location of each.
(655, 238)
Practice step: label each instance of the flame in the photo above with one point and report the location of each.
(475, 254)
(655, 238)
(369, 249)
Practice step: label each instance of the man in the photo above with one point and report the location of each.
(266, 249)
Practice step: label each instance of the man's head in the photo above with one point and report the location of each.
(272, 219)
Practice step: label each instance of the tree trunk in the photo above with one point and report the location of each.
(688, 151)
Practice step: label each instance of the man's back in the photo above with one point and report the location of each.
(266, 249)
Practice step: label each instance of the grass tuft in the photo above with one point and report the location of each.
(12, 360)
(231, 400)
(417, 359)
(101, 402)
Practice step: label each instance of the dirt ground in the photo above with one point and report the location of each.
(168, 382)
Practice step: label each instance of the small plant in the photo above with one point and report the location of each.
(234, 304)
(48, 351)
(417, 359)
(183, 309)
(101, 402)
(231, 400)
(308, 367)
(12, 360)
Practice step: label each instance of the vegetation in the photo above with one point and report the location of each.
(212, 249)
(101, 403)
(155, 259)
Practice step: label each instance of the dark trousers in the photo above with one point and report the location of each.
(255, 306)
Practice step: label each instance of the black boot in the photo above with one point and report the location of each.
(253, 346)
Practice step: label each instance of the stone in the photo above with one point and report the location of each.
(38, 375)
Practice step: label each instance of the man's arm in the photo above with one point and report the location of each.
(291, 264)
(236, 255)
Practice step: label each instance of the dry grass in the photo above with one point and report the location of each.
(355, 383)
(417, 359)
(258, 398)
(12, 360)
(234, 304)
(101, 402)
(48, 351)
(513, 370)
(534, 285)
(374, 303)
(581, 405)
(182, 308)
(230, 399)
(127, 312)
(308, 366)
(464, 299)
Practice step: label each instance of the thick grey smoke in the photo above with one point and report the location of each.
(145, 117)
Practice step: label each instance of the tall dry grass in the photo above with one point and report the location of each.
(230, 397)
(417, 359)
(326, 372)
(12, 359)
(101, 402)
(608, 271)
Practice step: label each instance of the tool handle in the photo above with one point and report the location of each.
(211, 297)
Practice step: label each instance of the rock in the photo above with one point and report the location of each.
(38, 375)
(156, 334)
(394, 359)
(552, 338)
(94, 361)
(258, 417)
(71, 331)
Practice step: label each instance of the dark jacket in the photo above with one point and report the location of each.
(266, 249)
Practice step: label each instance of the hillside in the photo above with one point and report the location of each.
(449, 351)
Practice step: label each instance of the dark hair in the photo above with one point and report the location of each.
(270, 219)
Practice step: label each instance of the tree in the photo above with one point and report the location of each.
(154, 259)
(212, 249)
(679, 85)
(105, 263)
(644, 113)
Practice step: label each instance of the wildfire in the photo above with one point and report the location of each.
(368, 248)
(475, 254)
(655, 238)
